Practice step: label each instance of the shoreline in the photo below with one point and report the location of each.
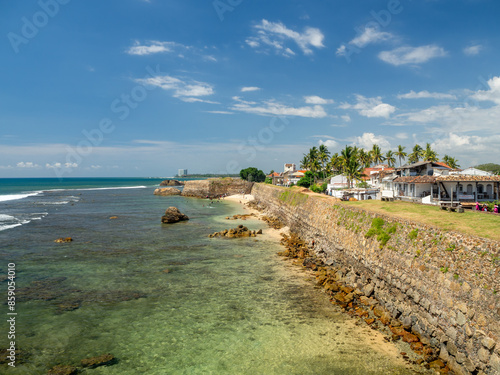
(376, 337)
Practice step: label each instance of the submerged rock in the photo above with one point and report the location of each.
(173, 215)
(240, 231)
(167, 191)
(63, 370)
(63, 240)
(102, 360)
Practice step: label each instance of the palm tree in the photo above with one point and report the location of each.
(304, 163)
(451, 162)
(323, 156)
(353, 171)
(389, 157)
(415, 156)
(376, 154)
(429, 154)
(401, 154)
(334, 163)
(364, 158)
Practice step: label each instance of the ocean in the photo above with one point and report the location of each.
(163, 299)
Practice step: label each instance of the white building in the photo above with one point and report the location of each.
(473, 172)
(289, 168)
(433, 183)
(336, 183)
(182, 172)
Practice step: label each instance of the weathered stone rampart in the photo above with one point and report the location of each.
(213, 187)
(442, 284)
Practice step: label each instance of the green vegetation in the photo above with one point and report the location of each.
(293, 197)
(444, 269)
(451, 247)
(252, 174)
(413, 234)
(469, 222)
(490, 167)
(377, 229)
(307, 180)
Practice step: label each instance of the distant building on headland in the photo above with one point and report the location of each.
(182, 172)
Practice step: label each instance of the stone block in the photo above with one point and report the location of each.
(484, 355)
(452, 348)
(451, 333)
(488, 343)
(495, 362)
(460, 318)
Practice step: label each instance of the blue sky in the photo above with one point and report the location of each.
(143, 88)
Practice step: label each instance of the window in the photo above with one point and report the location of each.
(489, 189)
(469, 189)
(480, 189)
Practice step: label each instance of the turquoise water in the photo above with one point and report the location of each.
(166, 299)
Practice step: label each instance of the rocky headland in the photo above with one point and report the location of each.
(171, 183)
(167, 191)
(215, 187)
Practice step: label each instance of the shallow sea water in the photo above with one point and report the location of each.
(166, 299)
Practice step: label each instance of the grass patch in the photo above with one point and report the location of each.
(377, 229)
(469, 222)
(292, 197)
(413, 234)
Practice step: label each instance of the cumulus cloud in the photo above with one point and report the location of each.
(370, 107)
(275, 35)
(493, 94)
(367, 140)
(27, 164)
(412, 55)
(317, 100)
(186, 90)
(251, 88)
(272, 108)
(426, 95)
(330, 143)
(473, 50)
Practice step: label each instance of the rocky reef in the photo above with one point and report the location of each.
(173, 215)
(171, 183)
(240, 231)
(167, 191)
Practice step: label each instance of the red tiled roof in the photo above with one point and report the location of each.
(442, 164)
(467, 178)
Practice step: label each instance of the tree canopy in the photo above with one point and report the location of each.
(252, 174)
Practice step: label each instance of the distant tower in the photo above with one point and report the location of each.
(182, 172)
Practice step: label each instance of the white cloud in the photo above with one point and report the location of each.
(250, 88)
(401, 136)
(493, 94)
(346, 118)
(153, 47)
(370, 35)
(276, 34)
(317, 100)
(330, 143)
(220, 112)
(412, 55)
(370, 107)
(27, 164)
(271, 108)
(367, 140)
(186, 90)
(426, 95)
(473, 50)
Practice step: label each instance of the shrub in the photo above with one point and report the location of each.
(413, 234)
